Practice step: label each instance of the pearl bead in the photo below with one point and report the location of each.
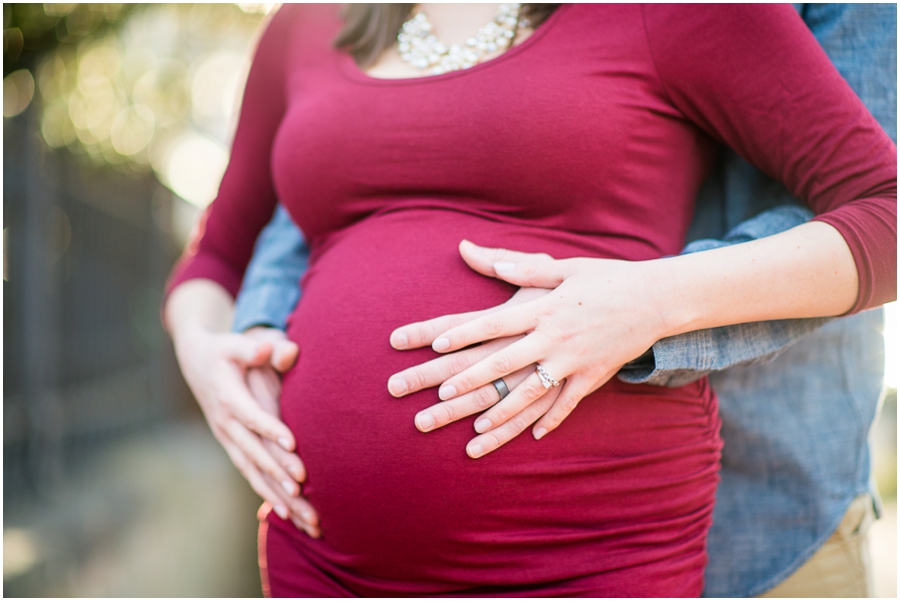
(419, 47)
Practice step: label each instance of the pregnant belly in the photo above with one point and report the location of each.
(631, 472)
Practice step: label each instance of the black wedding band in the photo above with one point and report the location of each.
(502, 388)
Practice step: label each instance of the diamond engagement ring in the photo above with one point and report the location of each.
(502, 388)
(546, 379)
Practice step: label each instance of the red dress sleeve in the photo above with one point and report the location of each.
(222, 243)
(753, 77)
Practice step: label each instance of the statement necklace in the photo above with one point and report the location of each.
(421, 48)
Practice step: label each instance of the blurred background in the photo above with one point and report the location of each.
(117, 123)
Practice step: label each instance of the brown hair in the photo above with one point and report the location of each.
(369, 29)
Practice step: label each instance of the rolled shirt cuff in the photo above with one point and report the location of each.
(682, 359)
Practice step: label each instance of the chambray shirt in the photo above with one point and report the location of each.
(795, 429)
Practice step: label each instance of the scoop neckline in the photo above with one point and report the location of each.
(351, 70)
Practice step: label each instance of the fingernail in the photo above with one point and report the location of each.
(288, 486)
(483, 425)
(399, 340)
(447, 391)
(285, 443)
(539, 433)
(504, 267)
(281, 511)
(424, 421)
(441, 344)
(475, 451)
(397, 386)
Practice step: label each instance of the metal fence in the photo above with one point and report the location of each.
(86, 253)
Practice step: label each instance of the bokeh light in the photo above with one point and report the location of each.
(216, 80)
(194, 166)
(160, 92)
(18, 90)
(20, 551)
(261, 8)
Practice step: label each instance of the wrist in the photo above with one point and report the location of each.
(672, 296)
(189, 337)
(196, 307)
(807, 271)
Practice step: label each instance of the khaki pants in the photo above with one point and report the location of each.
(842, 567)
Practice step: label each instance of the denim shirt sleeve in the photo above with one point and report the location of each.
(862, 46)
(271, 288)
(682, 359)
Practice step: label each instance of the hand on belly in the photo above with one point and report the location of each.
(549, 335)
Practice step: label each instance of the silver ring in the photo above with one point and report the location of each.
(546, 379)
(502, 388)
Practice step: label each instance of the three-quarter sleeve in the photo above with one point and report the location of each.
(753, 77)
(223, 241)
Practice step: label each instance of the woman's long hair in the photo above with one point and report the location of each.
(371, 28)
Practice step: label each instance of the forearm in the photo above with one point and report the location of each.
(807, 271)
(271, 284)
(198, 305)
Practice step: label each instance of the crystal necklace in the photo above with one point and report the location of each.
(421, 48)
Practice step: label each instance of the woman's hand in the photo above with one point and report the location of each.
(434, 372)
(235, 379)
(599, 315)
(264, 384)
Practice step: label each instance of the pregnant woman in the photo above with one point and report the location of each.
(587, 139)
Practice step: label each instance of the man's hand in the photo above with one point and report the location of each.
(591, 317)
(481, 398)
(235, 379)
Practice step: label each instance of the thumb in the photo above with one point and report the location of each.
(246, 351)
(482, 258)
(284, 354)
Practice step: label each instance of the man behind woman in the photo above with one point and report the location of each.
(574, 417)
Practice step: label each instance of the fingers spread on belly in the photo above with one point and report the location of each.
(499, 436)
(467, 404)
(522, 396)
(432, 373)
(521, 353)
